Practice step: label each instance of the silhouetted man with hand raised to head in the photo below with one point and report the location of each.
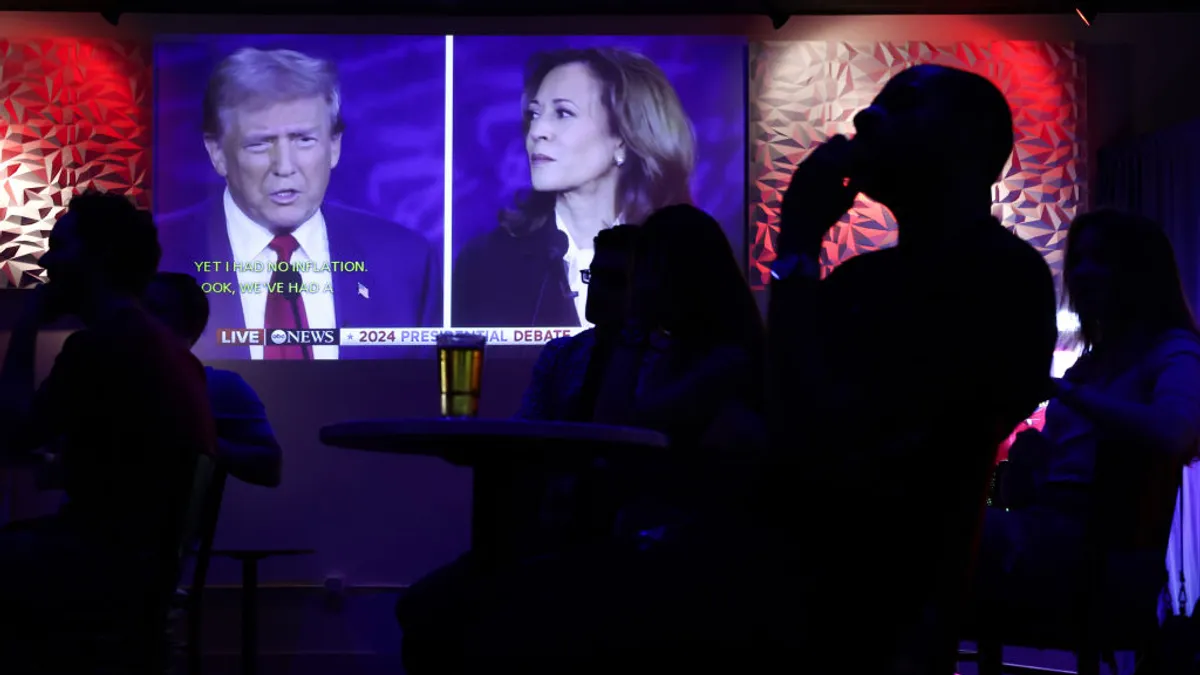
(898, 375)
(126, 405)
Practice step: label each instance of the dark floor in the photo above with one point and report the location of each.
(365, 664)
(306, 632)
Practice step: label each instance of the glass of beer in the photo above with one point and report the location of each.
(460, 366)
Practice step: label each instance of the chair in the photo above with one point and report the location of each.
(204, 510)
(1114, 606)
(115, 634)
(203, 515)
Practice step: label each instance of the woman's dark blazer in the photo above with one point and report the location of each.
(514, 275)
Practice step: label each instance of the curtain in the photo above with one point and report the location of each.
(1158, 176)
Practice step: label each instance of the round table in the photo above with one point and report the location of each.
(494, 450)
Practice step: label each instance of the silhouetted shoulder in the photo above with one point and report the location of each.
(541, 400)
(1177, 342)
(1017, 250)
(230, 394)
(554, 350)
(871, 263)
(1010, 275)
(559, 343)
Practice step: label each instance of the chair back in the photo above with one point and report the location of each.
(200, 527)
(204, 505)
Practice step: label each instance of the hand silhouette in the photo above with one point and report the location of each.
(817, 197)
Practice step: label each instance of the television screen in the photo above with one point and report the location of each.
(355, 196)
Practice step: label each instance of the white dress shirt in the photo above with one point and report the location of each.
(250, 243)
(578, 259)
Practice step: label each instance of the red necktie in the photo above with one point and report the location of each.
(281, 314)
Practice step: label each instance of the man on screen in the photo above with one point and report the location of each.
(273, 130)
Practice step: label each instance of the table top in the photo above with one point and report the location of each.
(467, 442)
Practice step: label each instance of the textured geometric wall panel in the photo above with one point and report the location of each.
(801, 93)
(76, 115)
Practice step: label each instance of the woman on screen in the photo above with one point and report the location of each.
(608, 143)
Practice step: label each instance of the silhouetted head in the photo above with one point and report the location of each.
(1121, 278)
(102, 245)
(608, 276)
(687, 280)
(605, 121)
(930, 132)
(178, 301)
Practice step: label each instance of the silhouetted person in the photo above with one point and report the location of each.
(435, 613)
(1121, 424)
(245, 441)
(671, 591)
(690, 365)
(567, 374)
(127, 403)
(695, 340)
(895, 378)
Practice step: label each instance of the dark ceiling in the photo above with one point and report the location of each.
(586, 7)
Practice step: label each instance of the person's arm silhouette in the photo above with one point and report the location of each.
(817, 197)
(615, 398)
(1169, 422)
(691, 399)
(245, 439)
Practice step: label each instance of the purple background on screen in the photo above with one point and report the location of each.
(393, 92)
(490, 165)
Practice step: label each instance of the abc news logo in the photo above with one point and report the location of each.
(277, 338)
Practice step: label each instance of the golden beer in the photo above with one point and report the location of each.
(460, 366)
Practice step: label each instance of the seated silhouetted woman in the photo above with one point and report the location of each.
(434, 612)
(692, 355)
(681, 572)
(566, 377)
(1127, 414)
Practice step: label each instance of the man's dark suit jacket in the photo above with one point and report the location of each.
(403, 274)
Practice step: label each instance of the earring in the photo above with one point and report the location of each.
(619, 159)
